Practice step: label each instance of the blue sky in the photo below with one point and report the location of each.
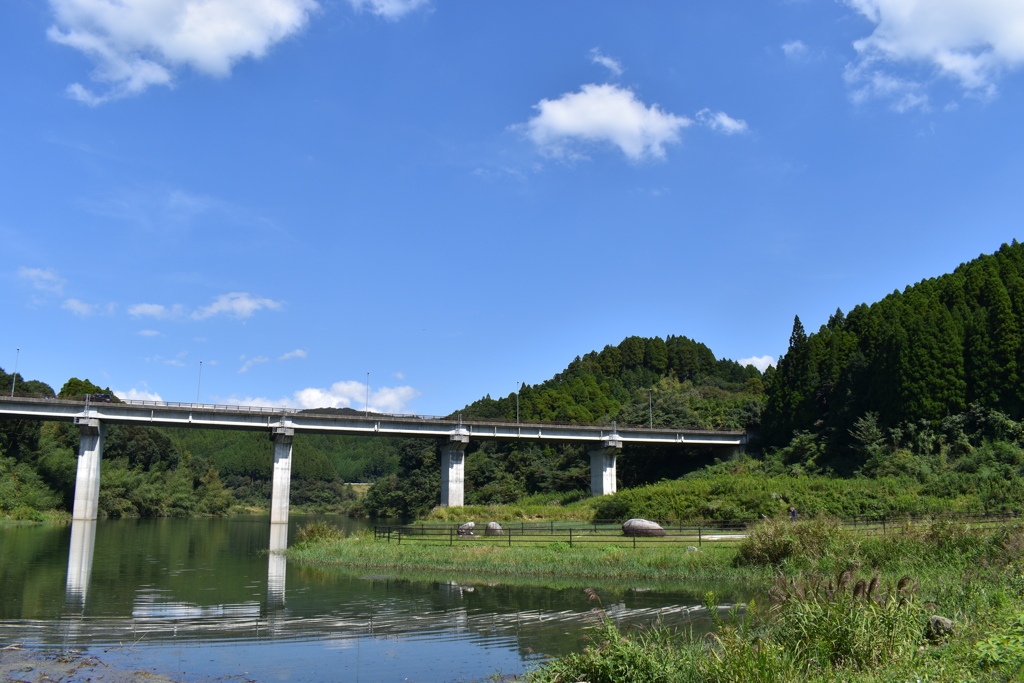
(456, 196)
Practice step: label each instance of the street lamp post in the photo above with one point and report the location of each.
(366, 405)
(14, 377)
(200, 384)
(650, 405)
(518, 384)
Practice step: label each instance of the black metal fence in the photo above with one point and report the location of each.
(696, 533)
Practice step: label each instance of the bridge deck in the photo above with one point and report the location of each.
(257, 418)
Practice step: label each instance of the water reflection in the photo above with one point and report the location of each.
(277, 565)
(200, 583)
(83, 543)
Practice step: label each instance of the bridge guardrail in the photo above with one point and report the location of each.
(354, 414)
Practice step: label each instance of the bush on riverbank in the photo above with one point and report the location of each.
(751, 496)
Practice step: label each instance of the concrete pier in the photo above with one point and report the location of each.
(602, 466)
(282, 437)
(453, 471)
(90, 456)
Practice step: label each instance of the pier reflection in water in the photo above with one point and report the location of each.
(205, 597)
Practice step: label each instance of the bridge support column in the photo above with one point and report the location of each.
(453, 471)
(282, 437)
(602, 467)
(87, 481)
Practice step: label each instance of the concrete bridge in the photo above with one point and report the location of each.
(603, 442)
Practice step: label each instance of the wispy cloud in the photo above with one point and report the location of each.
(148, 333)
(79, 308)
(610, 63)
(238, 305)
(794, 49)
(248, 365)
(388, 9)
(721, 122)
(297, 353)
(137, 44)
(43, 279)
(158, 311)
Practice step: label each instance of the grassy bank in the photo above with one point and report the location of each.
(843, 606)
(551, 560)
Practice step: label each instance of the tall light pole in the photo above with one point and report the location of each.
(366, 405)
(650, 405)
(518, 384)
(14, 377)
(200, 384)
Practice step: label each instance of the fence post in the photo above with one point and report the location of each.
(451, 537)
(570, 537)
(510, 536)
(634, 541)
(699, 536)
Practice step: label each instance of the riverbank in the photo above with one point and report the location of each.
(939, 601)
(552, 560)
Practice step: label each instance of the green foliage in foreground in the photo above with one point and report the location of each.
(830, 620)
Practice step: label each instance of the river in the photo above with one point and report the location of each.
(203, 598)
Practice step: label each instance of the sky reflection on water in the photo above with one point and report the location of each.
(204, 598)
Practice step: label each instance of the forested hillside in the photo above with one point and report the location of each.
(909, 381)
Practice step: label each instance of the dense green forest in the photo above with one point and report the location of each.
(923, 387)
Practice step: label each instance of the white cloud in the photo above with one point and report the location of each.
(140, 43)
(603, 113)
(175, 362)
(297, 353)
(971, 41)
(759, 362)
(158, 311)
(721, 122)
(44, 279)
(149, 333)
(794, 49)
(251, 362)
(239, 305)
(389, 9)
(398, 375)
(137, 395)
(79, 308)
(339, 395)
(610, 63)
(867, 85)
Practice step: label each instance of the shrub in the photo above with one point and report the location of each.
(318, 532)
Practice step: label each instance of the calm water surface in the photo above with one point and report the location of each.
(202, 597)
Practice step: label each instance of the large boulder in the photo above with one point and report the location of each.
(641, 527)
(467, 529)
(493, 529)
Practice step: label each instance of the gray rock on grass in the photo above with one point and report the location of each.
(641, 527)
(493, 529)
